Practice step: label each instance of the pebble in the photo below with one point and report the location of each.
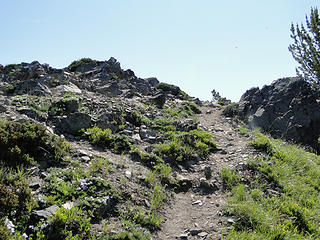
(128, 174)
(202, 234)
(194, 232)
(230, 221)
(85, 158)
(197, 202)
(183, 236)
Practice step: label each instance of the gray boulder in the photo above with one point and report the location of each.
(63, 89)
(74, 122)
(288, 108)
(111, 90)
(31, 113)
(152, 81)
(45, 213)
(32, 87)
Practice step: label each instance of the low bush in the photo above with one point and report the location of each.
(105, 138)
(26, 143)
(75, 64)
(231, 110)
(164, 86)
(229, 178)
(68, 224)
(180, 146)
(190, 108)
(262, 142)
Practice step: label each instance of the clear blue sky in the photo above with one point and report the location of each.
(202, 45)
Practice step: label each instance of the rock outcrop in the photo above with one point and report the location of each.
(288, 108)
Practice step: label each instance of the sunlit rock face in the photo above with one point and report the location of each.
(288, 108)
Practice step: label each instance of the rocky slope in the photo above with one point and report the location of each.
(94, 152)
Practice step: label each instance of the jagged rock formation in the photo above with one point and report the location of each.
(288, 108)
(89, 82)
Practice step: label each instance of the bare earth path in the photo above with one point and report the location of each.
(192, 215)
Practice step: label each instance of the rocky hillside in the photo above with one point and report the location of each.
(92, 151)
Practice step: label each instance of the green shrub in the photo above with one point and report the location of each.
(24, 143)
(243, 131)
(105, 138)
(262, 142)
(190, 108)
(143, 217)
(231, 110)
(66, 224)
(75, 64)
(10, 89)
(64, 106)
(181, 145)
(229, 178)
(164, 86)
(163, 125)
(39, 104)
(8, 200)
(137, 119)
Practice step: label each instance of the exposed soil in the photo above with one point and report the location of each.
(194, 215)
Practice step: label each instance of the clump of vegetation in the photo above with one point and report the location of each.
(27, 143)
(64, 106)
(229, 178)
(167, 88)
(262, 142)
(137, 119)
(10, 89)
(281, 197)
(243, 131)
(71, 223)
(231, 110)
(163, 125)
(148, 159)
(39, 104)
(190, 108)
(180, 146)
(16, 201)
(75, 64)
(105, 138)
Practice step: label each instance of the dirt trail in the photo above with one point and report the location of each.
(194, 215)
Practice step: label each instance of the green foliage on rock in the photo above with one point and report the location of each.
(105, 138)
(26, 143)
(180, 146)
(306, 47)
(262, 142)
(68, 224)
(231, 110)
(73, 66)
(190, 108)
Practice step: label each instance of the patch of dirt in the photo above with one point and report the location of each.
(195, 215)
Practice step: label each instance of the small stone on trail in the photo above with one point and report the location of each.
(194, 232)
(68, 205)
(183, 236)
(202, 234)
(128, 174)
(230, 221)
(197, 202)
